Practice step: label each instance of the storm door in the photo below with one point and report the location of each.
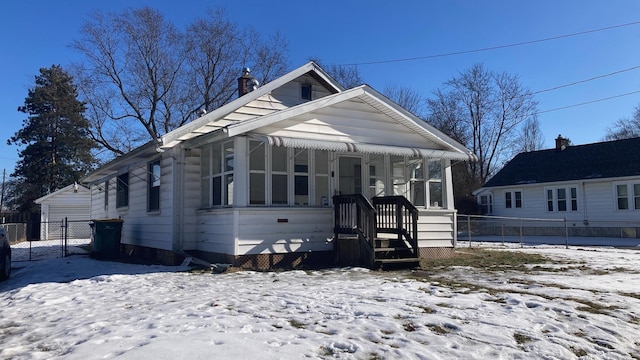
(349, 175)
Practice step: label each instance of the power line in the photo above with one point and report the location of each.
(589, 102)
(493, 47)
(587, 80)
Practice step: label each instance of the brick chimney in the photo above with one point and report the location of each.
(561, 143)
(246, 82)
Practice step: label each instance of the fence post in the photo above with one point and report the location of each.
(469, 228)
(521, 239)
(66, 236)
(566, 234)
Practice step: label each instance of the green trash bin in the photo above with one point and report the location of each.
(105, 238)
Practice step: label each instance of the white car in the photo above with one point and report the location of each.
(5, 255)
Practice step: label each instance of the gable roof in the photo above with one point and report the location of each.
(212, 120)
(67, 190)
(611, 159)
(443, 145)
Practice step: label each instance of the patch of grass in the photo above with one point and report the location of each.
(408, 326)
(488, 259)
(427, 309)
(435, 328)
(592, 307)
(632, 295)
(297, 324)
(579, 352)
(521, 338)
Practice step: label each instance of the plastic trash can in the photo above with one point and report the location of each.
(105, 238)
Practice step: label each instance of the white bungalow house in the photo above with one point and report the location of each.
(277, 176)
(72, 202)
(595, 187)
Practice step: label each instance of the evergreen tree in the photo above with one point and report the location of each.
(55, 136)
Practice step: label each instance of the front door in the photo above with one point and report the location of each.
(349, 175)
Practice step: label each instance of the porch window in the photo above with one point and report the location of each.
(322, 177)
(435, 183)
(562, 199)
(153, 186)
(301, 177)
(376, 176)
(122, 190)
(397, 175)
(279, 172)
(416, 181)
(636, 196)
(257, 173)
(217, 174)
(549, 200)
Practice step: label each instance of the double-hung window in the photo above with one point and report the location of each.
(627, 196)
(122, 190)
(513, 199)
(153, 186)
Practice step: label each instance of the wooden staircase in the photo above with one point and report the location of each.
(375, 234)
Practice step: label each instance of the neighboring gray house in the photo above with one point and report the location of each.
(596, 187)
(271, 178)
(72, 202)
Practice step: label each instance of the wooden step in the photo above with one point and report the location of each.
(397, 261)
(383, 249)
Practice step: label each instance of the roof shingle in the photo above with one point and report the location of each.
(609, 159)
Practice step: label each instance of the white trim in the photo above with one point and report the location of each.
(352, 147)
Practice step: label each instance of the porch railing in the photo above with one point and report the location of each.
(397, 215)
(354, 214)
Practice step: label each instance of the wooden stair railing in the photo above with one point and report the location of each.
(354, 215)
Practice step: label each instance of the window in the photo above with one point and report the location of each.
(122, 190)
(257, 173)
(486, 204)
(301, 177)
(627, 196)
(416, 182)
(217, 174)
(153, 186)
(305, 92)
(623, 201)
(397, 175)
(435, 183)
(279, 176)
(562, 199)
(106, 195)
(513, 199)
(322, 177)
(561, 195)
(376, 176)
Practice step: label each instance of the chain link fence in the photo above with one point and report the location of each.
(57, 239)
(536, 231)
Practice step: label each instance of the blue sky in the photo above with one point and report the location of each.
(36, 34)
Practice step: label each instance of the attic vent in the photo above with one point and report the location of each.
(305, 92)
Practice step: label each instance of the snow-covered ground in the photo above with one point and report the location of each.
(80, 308)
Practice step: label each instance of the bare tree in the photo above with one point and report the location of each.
(530, 137)
(346, 75)
(483, 110)
(406, 97)
(141, 77)
(625, 128)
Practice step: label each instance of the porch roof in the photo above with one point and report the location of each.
(355, 147)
